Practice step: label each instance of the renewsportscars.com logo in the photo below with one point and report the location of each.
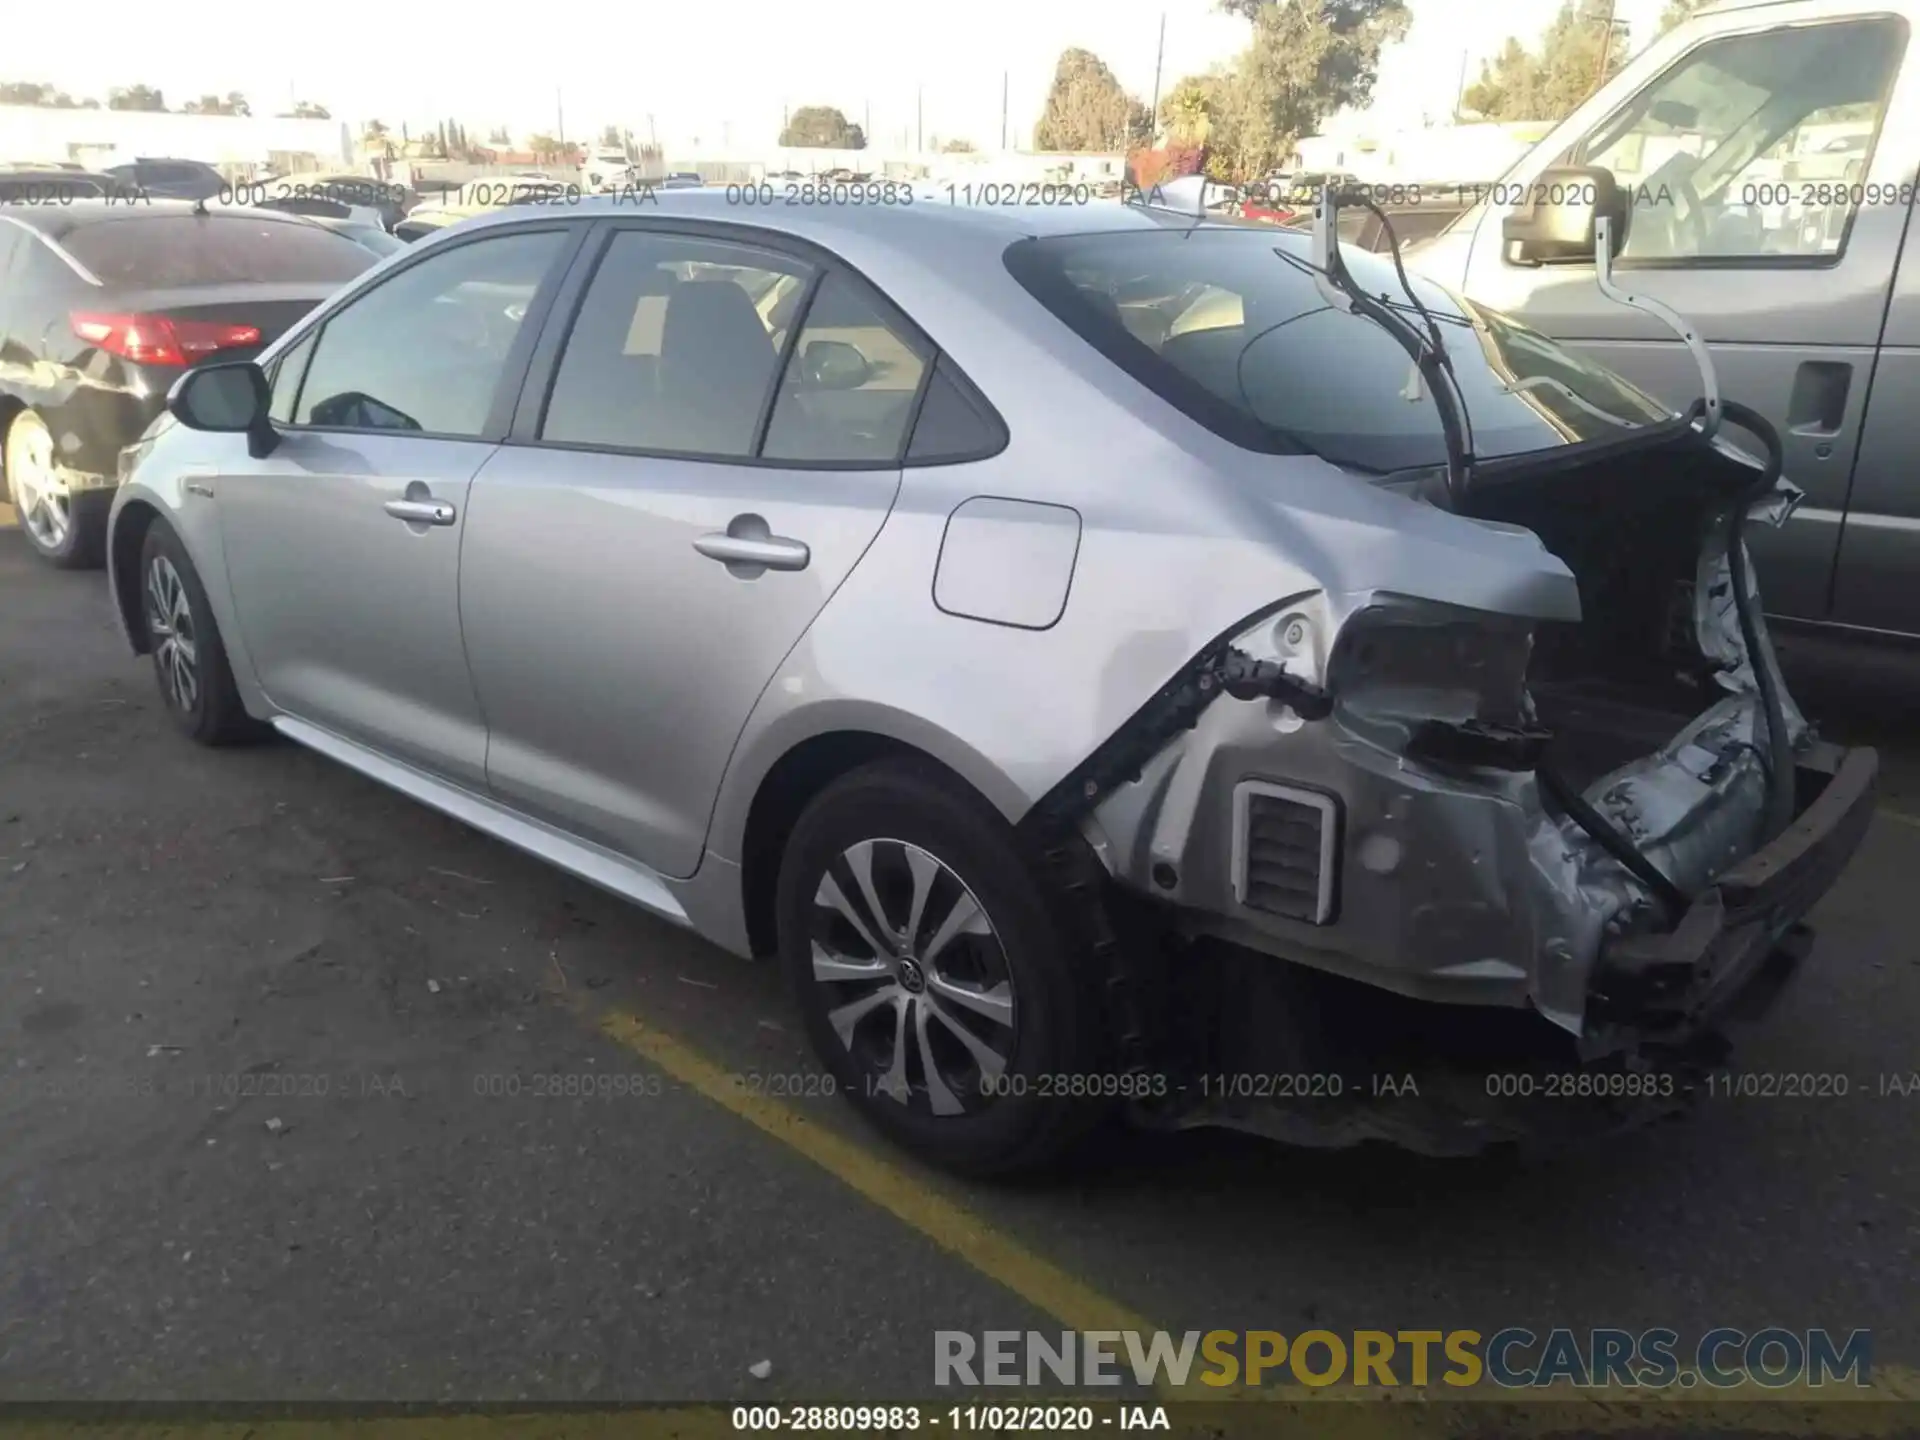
(1513, 1358)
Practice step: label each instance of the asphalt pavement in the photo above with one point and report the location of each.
(307, 1092)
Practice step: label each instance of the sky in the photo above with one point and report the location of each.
(720, 74)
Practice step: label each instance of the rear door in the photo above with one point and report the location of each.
(343, 545)
(690, 477)
(1771, 177)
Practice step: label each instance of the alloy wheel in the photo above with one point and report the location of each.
(40, 496)
(919, 990)
(170, 623)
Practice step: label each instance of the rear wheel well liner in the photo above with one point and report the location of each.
(785, 791)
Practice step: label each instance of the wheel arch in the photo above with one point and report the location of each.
(10, 406)
(806, 767)
(126, 535)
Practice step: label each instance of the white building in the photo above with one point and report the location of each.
(99, 138)
(1433, 153)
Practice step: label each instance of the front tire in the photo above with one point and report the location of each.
(189, 660)
(67, 530)
(939, 982)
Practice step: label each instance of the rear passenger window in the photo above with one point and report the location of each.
(675, 347)
(954, 423)
(849, 387)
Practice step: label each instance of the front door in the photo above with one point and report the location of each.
(722, 441)
(1769, 200)
(343, 545)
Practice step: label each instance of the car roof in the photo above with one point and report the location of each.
(57, 221)
(928, 220)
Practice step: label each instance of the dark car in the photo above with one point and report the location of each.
(360, 224)
(103, 305)
(170, 179)
(55, 185)
(389, 198)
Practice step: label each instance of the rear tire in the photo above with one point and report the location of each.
(189, 660)
(66, 529)
(962, 1040)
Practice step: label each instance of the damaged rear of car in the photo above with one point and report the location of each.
(1525, 861)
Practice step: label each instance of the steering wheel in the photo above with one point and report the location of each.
(1683, 226)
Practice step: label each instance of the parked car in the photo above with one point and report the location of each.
(388, 199)
(1060, 689)
(361, 224)
(28, 185)
(170, 179)
(103, 305)
(1794, 251)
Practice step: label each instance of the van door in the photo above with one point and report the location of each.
(1874, 583)
(1769, 154)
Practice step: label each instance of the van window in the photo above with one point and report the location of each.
(1753, 145)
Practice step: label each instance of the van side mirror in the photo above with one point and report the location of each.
(227, 399)
(1554, 225)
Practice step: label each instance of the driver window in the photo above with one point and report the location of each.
(425, 351)
(1754, 145)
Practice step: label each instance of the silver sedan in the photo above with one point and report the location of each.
(1110, 666)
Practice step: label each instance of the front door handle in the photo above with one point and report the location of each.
(749, 548)
(422, 512)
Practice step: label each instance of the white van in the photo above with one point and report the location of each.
(1770, 152)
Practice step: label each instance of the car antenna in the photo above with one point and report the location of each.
(1431, 361)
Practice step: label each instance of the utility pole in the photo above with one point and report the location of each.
(559, 118)
(1159, 55)
(1606, 46)
(1460, 92)
(1003, 110)
(919, 119)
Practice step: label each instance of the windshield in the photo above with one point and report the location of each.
(1220, 324)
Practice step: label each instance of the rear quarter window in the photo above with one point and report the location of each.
(170, 251)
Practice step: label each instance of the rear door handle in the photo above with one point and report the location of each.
(748, 548)
(422, 512)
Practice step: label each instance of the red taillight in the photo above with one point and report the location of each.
(156, 340)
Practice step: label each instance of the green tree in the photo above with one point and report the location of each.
(24, 93)
(1306, 59)
(499, 135)
(821, 127)
(306, 110)
(1088, 109)
(1186, 114)
(543, 145)
(135, 97)
(958, 147)
(1547, 83)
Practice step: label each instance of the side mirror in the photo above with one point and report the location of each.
(834, 365)
(227, 399)
(1555, 224)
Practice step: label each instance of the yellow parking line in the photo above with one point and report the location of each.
(1039, 1282)
(1078, 1306)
